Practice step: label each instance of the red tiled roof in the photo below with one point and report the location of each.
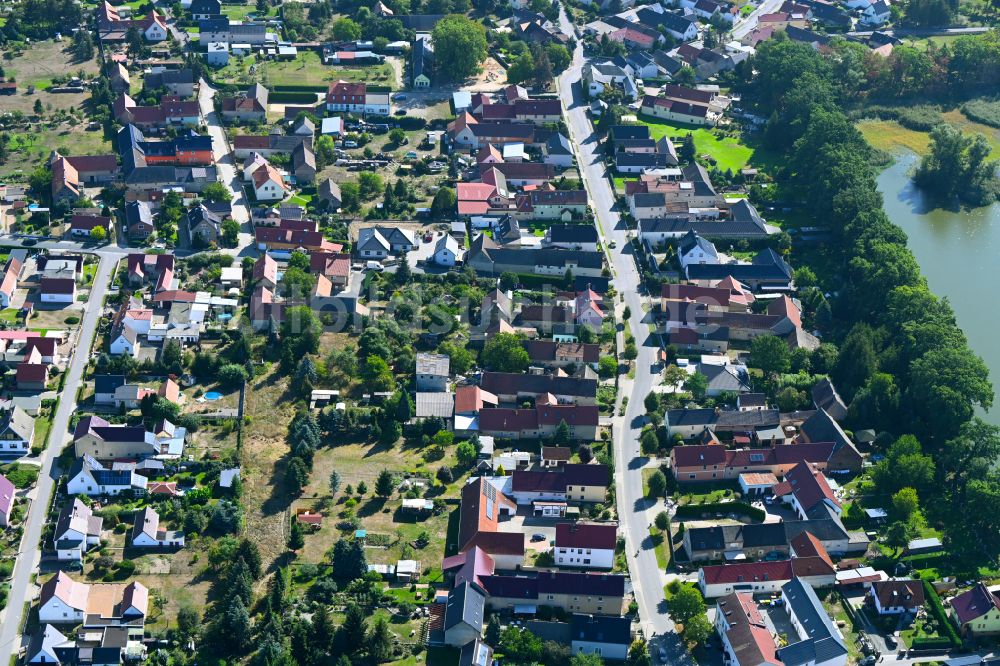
(750, 572)
(809, 486)
(470, 399)
(498, 543)
(93, 162)
(698, 455)
(805, 544)
(250, 142)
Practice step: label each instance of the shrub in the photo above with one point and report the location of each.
(72, 319)
(985, 111)
(920, 118)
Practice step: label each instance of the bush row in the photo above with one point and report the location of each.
(920, 118)
(985, 111)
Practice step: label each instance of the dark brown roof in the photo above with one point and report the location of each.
(586, 535)
(907, 594)
(556, 453)
(537, 481)
(578, 474)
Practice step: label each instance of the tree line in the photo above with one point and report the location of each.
(903, 365)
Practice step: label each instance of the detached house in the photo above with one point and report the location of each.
(77, 531)
(432, 372)
(355, 98)
(380, 242)
(977, 612)
(146, 532)
(66, 601)
(248, 106)
(896, 597)
(17, 431)
(57, 290)
(91, 478)
(7, 499)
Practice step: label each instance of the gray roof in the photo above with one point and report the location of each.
(767, 266)
(825, 397)
(691, 240)
(743, 212)
(19, 422)
(329, 191)
(466, 603)
(823, 642)
(433, 364)
(558, 145)
(136, 212)
(691, 417)
(730, 228)
(726, 378)
(623, 132)
(601, 629)
(821, 427)
(435, 403)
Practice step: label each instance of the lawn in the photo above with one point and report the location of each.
(242, 12)
(728, 152)
(706, 493)
(661, 545)
(305, 70)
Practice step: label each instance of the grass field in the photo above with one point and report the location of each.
(29, 149)
(890, 136)
(728, 152)
(306, 70)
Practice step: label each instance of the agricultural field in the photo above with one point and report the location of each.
(728, 152)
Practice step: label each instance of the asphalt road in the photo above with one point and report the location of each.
(647, 579)
(746, 25)
(30, 553)
(225, 163)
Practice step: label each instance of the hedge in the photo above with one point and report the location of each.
(925, 560)
(929, 643)
(697, 510)
(937, 610)
(300, 88)
(292, 97)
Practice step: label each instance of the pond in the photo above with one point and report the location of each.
(959, 253)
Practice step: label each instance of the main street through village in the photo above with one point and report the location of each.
(634, 510)
(22, 589)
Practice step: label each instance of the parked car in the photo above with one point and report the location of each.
(538, 537)
(350, 144)
(374, 266)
